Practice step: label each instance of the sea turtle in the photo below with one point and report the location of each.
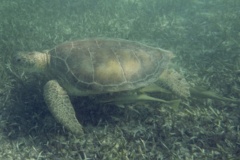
(96, 66)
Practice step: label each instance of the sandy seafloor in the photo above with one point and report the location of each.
(203, 34)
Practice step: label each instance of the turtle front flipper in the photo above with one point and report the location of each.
(60, 106)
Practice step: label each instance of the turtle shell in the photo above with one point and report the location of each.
(93, 66)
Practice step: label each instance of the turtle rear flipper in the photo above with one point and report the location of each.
(175, 82)
(60, 106)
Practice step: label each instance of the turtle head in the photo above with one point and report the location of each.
(31, 61)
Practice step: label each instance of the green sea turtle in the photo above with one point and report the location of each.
(96, 66)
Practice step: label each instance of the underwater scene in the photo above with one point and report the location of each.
(119, 80)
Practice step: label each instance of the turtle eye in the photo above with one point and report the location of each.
(17, 59)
